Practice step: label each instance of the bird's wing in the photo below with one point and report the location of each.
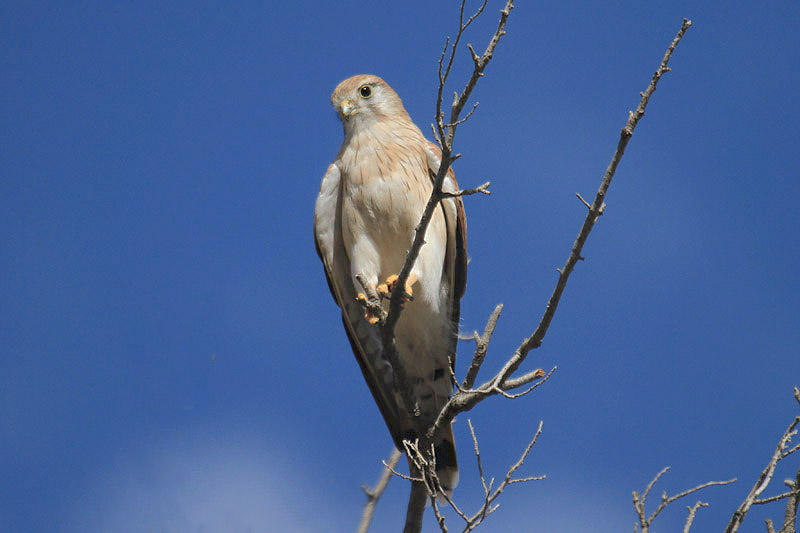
(454, 274)
(455, 268)
(364, 337)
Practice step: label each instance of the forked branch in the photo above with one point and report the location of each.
(645, 521)
(445, 135)
(792, 496)
(421, 462)
(782, 451)
(490, 494)
(502, 382)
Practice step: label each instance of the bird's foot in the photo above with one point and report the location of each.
(370, 312)
(385, 289)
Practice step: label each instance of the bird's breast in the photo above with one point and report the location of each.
(386, 184)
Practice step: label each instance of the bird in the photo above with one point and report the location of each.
(371, 199)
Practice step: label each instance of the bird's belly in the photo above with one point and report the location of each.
(382, 212)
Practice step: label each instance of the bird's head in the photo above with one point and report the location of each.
(366, 98)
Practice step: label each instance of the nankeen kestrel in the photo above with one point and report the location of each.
(370, 201)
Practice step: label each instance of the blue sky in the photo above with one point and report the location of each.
(171, 359)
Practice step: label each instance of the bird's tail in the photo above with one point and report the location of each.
(446, 462)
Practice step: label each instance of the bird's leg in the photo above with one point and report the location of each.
(385, 289)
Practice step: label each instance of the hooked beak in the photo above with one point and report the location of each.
(348, 107)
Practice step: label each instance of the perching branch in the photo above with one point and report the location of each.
(422, 462)
(446, 134)
(465, 396)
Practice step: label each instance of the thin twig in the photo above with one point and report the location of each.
(481, 348)
(791, 450)
(665, 500)
(584, 201)
(692, 512)
(478, 457)
(403, 476)
(530, 377)
(374, 494)
(482, 189)
(639, 500)
(775, 498)
(439, 516)
(491, 495)
(463, 120)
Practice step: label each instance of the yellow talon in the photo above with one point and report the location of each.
(369, 315)
(385, 289)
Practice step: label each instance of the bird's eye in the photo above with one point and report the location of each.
(365, 91)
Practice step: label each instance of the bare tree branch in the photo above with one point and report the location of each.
(523, 380)
(446, 135)
(790, 515)
(482, 188)
(445, 132)
(461, 121)
(465, 400)
(481, 348)
(466, 396)
(776, 498)
(490, 494)
(596, 210)
(374, 494)
(416, 501)
(404, 476)
(692, 512)
(583, 201)
(763, 478)
(770, 527)
(639, 500)
(388, 321)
